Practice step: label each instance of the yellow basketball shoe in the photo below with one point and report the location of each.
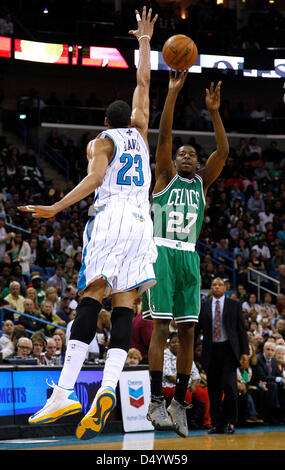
(94, 421)
(62, 402)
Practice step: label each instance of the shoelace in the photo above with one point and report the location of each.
(52, 385)
(163, 411)
(51, 398)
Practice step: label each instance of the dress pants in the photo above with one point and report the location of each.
(222, 385)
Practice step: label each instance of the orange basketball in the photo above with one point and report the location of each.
(179, 52)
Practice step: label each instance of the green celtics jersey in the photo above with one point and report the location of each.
(179, 209)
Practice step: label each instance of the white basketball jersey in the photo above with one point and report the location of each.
(128, 175)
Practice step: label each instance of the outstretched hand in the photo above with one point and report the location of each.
(145, 24)
(213, 97)
(39, 212)
(177, 80)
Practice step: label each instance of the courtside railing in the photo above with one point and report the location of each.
(32, 317)
(257, 279)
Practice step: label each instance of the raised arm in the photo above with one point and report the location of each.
(140, 104)
(165, 169)
(99, 153)
(217, 159)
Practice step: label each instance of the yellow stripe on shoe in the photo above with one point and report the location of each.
(51, 417)
(94, 421)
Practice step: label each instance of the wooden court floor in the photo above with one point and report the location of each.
(259, 438)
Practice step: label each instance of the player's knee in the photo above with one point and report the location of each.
(85, 323)
(121, 332)
(161, 329)
(186, 331)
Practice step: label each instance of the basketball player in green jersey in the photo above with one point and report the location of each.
(178, 202)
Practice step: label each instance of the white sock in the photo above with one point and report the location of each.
(74, 357)
(114, 365)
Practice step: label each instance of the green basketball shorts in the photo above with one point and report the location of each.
(177, 291)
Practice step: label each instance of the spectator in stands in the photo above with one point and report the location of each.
(30, 323)
(4, 237)
(64, 309)
(71, 291)
(39, 344)
(264, 217)
(52, 296)
(134, 357)
(55, 141)
(31, 293)
(246, 407)
(15, 298)
(208, 275)
(268, 378)
(280, 357)
(256, 203)
(170, 371)
(18, 332)
(242, 249)
(34, 251)
(74, 248)
(58, 280)
(70, 273)
(281, 278)
(280, 327)
(272, 153)
(62, 333)
(267, 303)
(254, 147)
(276, 261)
(281, 234)
(38, 285)
(239, 232)
(49, 358)
(103, 333)
(251, 304)
(60, 347)
(47, 315)
(256, 263)
(169, 381)
(24, 348)
(262, 251)
(222, 251)
(6, 345)
(20, 251)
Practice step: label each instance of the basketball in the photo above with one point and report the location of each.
(179, 52)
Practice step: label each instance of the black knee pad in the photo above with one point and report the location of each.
(121, 333)
(85, 323)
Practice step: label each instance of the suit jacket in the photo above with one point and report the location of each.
(233, 323)
(260, 370)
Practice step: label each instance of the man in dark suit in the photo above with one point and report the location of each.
(224, 342)
(268, 378)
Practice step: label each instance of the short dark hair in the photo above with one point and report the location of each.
(119, 114)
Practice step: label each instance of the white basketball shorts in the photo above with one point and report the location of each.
(118, 246)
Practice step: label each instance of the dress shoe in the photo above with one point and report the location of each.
(216, 430)
(230, 429)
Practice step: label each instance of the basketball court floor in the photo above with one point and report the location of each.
(258, 438)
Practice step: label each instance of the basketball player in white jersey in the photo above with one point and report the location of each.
(118, 252)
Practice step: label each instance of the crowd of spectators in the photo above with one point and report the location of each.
(244, 227)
